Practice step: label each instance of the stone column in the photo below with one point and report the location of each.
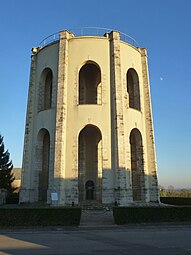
(153, 193)
(61, 118)
(117, 118)
(26, 177)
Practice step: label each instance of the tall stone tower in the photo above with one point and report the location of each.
(89, 131)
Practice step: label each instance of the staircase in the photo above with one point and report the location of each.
(91, 205)
(95, 214)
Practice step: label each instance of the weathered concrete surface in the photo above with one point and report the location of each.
(134, 240)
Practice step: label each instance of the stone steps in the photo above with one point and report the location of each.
(99, 217)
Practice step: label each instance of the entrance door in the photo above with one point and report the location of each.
(89, 190)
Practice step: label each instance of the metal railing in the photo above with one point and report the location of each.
(88, 31)
(49, 39)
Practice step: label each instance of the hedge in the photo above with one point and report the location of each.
(176, 200)
(125, 215)
(13, 198)
(10, 217)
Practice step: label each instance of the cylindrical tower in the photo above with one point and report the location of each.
(89, 132)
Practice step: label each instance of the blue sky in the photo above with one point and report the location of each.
(163, 27)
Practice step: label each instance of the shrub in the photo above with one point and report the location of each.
(176, 200)
(40, 216)
(125, 215)
(12, 198)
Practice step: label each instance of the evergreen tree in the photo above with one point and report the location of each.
(6, 166)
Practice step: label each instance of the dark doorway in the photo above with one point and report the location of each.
(137, 165)
(43, 163)
(89, 190)
(90, 164)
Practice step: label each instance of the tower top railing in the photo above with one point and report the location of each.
(88, 31)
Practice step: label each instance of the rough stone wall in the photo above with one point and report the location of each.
(151, 156)
(25, 195)
(121, 194)
(61, 116)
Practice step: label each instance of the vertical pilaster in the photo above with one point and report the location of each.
(151, 156)
(118, 119)
(26, 188)
(61, 116)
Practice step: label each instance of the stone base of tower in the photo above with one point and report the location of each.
(110, 197)
(123, 196)
(154, 195)
(27, 196)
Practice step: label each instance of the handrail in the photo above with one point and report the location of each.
(49, 39)
(88, 31)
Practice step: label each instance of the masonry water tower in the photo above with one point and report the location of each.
(89, 130)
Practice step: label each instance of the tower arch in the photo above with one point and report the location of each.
(43, 150)
(45, 92)
(90, 84)
(137, 165)
(90, 163)
(133, 89)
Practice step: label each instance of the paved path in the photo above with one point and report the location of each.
(132, 240)
(98, 235)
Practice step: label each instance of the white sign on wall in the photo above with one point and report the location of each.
(54, 196)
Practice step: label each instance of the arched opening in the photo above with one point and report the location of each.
(133, 89)
(89, 190)
(137, 165)
(43, 163)
(90, 163)
(45, 93)
(90, 84)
